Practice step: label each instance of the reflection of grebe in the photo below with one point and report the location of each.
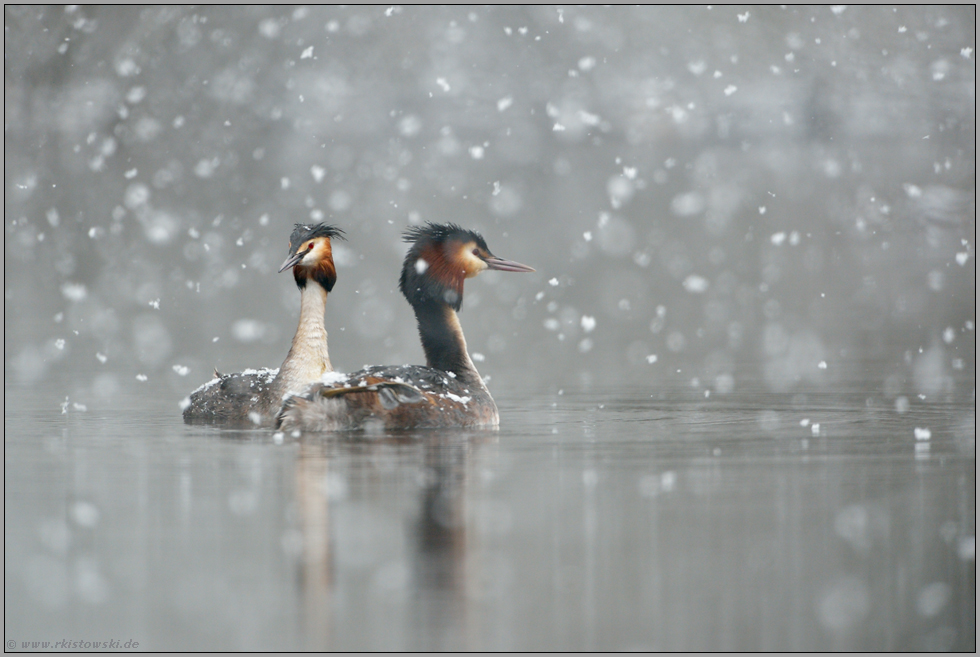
(256, 395)
(449, 391)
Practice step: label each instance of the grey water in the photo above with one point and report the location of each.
(622, 519)
(737, 396)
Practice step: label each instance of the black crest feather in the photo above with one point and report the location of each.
(303, 232)
(437, 233)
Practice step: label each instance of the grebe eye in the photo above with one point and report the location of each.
(476, 252)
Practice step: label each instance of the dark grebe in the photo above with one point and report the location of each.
(254, 396)
(449, 391)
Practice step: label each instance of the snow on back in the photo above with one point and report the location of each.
(457, 398)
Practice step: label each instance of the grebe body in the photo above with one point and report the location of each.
(253, 397)
(448, 391)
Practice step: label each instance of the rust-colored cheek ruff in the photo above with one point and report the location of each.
(443, 275)
(323, 272)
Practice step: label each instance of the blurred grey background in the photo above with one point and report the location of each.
(710, 196)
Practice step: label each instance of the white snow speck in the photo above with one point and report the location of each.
(685, 205)
(553, 282)
(778, 238)
(966, 52)
(478, 357)
(102, 358)
(504, 103)
(142, 377)
(476, 152)
(420, 266)
(205, 167)
(135, 95)
(248, 330)
(318, 173)
(742, 18)
(922, 433)
(949, 335)
(79, 407)
(155, 304)
(85, 514)
(815, 428)
(558, 128)
(59, 343)
(74, 291)
(695, 284)
(651, 358)
(805, 422)
(962, 257)
(587, 236)
(586, 63)
(588, 323)
(838, 9)
(730, 89)
(182, 370)
(822, 365)
(443, 83)
(308, 53)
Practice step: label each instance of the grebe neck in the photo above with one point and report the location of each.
(443, 341)
(308, 358)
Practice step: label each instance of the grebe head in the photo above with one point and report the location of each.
(441, 257)
(310, 254)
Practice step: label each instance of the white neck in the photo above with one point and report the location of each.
(307, 359)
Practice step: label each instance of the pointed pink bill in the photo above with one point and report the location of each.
(493, 262)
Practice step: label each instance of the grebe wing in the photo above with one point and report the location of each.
(390, 393)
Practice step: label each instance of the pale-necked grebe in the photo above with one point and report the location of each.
(448, 392)
(255, 396)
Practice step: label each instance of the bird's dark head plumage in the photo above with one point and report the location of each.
(311, 254)
(303, 232)
(440, 258)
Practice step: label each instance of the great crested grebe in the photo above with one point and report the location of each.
(254, 396)
(448, 392)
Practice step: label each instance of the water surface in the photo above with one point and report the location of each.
(604, 519)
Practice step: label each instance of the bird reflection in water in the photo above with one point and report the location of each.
(436, 584)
